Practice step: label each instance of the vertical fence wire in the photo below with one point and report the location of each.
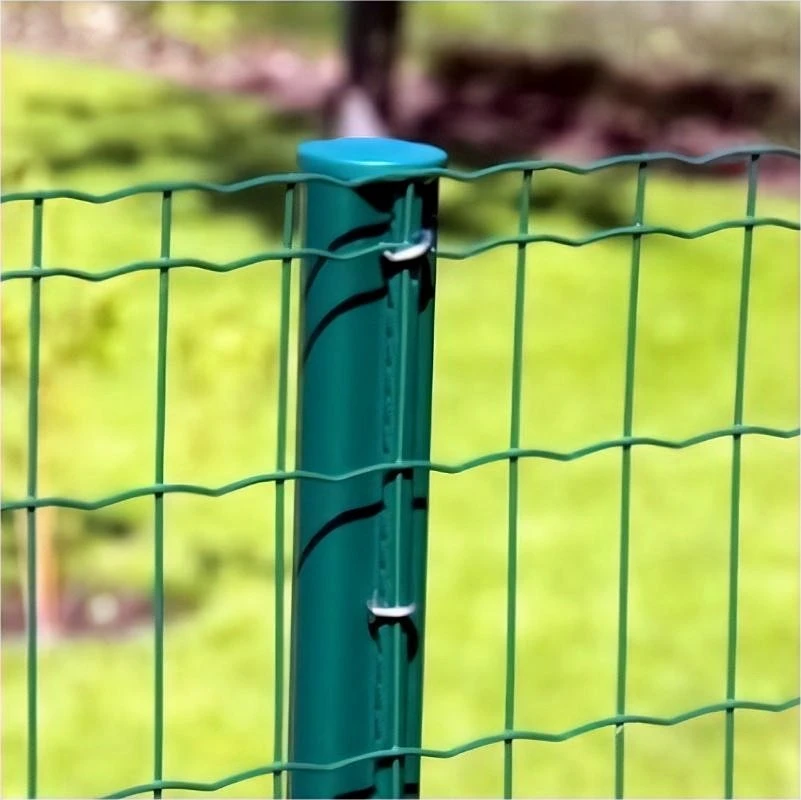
(158, 566)
(514, 443)
(280, 487)
(401, 487)
(734, 539)
(625, 484)
(35, 328)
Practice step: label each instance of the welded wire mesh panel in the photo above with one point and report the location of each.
(622, 716)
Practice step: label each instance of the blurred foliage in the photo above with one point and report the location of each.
(748, 39)
(310, 24)
(113, 130)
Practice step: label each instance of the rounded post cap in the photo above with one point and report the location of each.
(354, 158)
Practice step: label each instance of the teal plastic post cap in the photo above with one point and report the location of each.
(354, 158)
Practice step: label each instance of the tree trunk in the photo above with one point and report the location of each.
(363, 105)
(48, 584)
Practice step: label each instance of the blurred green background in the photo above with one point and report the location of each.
(94, 127)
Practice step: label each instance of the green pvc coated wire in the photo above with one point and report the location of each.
(514, 444)
(35, 326)
(158, 498)
(720, 156)
(484, 741)
(401, 487)
(625, 490)
(391, 466)
(734, 541)
(449, 255)
(280, 487)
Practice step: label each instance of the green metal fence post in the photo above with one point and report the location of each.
(364, 399)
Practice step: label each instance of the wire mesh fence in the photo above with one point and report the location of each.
(395, 751)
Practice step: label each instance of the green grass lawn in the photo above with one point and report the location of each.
(82, 127)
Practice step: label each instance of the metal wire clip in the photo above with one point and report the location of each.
(422, 243)
(391, 612)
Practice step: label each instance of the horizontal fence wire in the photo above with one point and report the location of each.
(513, 455)
(291, 178)
(402, 464)
(448, 255)
(475, 744)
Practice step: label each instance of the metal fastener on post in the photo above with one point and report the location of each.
(364, 398)
(424, 241)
